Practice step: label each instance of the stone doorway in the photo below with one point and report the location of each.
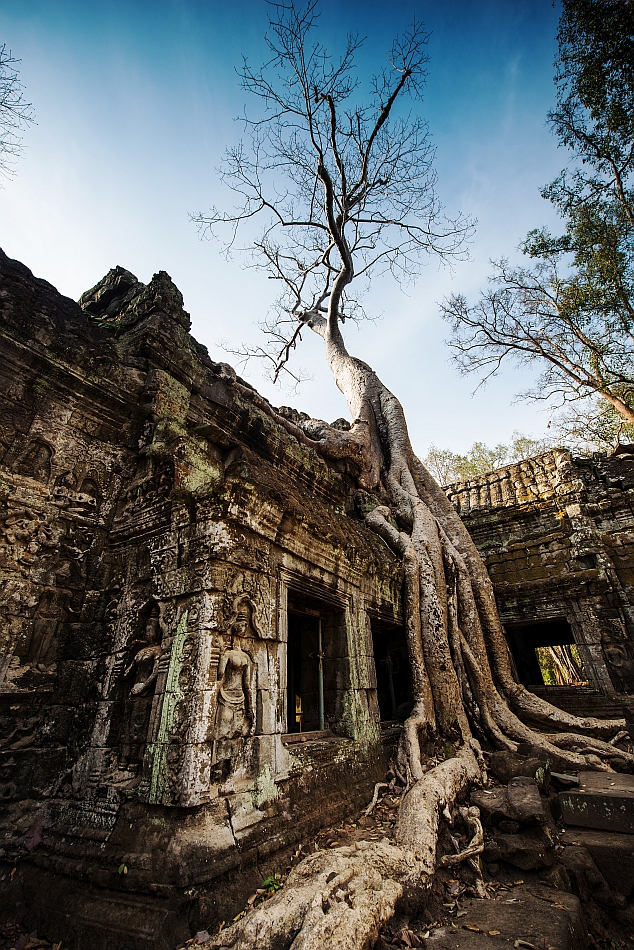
(545, 654)
(393, 681)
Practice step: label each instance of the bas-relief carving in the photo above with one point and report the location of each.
(235, 715)
(25, 535)
(139, 683)
(35, 462)
(52, 610)
(619, 657)
(153, 482)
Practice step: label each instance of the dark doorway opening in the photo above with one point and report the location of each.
(545, 653)
(393, 680)
(316, 635)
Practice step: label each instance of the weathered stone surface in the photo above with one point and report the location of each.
(562, 781)
(525, 802)
(506, 765)
(558, 540)
(530, 849)
(604, 800)
(590, 883)
(493, 804)
(612, 853)
(538, 915)
(158, 528)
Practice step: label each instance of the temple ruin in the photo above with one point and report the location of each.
(203, 656)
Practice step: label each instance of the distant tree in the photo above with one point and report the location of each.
(571, 313)
(447, 466)
(15, 111)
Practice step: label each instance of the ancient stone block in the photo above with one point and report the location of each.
(525, 802)
(537, 915)
(530, 849)
(603, 800)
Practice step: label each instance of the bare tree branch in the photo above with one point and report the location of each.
(345, 189)
(15, 111)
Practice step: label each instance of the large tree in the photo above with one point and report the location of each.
(346, 189)
(571, 312)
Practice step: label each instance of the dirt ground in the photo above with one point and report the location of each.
(443, 906)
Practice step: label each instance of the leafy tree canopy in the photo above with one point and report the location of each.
(571, 312)
(448, 467)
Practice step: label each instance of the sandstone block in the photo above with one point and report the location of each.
(537, 915)
(525, 801)
(604, 800)
(530, 850)
(612, 853)
(506, 765)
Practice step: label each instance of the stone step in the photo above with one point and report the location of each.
(535, 915)
(612, 853)
(603, 800)
(584, 701)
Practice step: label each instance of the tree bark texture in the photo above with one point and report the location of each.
(462, 684)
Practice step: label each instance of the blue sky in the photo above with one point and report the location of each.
(135, 103)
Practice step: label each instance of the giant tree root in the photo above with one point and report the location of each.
(335, 899)
(341, 898)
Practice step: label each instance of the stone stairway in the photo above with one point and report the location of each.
(585, 701)
(570, 841)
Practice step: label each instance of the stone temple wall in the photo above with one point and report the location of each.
(172, 564)
(557, 536)
(157, 526)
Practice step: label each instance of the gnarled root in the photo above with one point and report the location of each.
(542, 714)
(593, 749)
(421, 807)
(375, 798)
(336, 899)
(341, 898)
(471, 817)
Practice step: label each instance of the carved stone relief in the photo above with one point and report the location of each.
(52, 610)
(139, 684)
(35, 462)
(619, 657)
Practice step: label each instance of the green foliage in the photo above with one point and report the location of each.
(447, 466)
(561, 665)
(571, 312)
(272, 883)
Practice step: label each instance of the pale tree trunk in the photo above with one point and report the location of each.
(462, 683)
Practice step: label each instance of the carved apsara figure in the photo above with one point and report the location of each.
(138, 705)
(52, 610)
(618, 656)
(36, 462)
(235, 710)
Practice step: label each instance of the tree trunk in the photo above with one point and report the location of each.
(461, 679)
